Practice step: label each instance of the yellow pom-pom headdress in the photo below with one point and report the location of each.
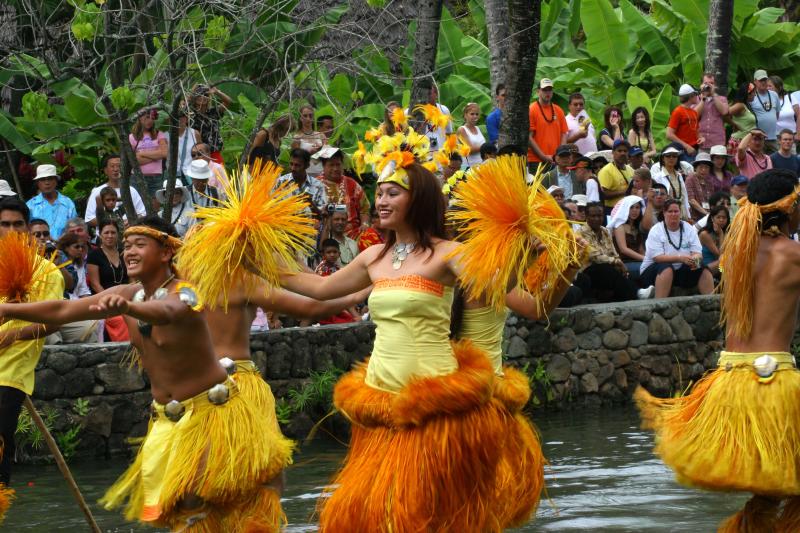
(433, 115)
(399, 118)
(260, 224)
(501, 220)
(738, 259)
(19, 266)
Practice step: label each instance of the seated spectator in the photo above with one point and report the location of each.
(712, 236)
(784, 158)
(654, 206)
(49, 249)
(700, 186)
(105, 268)
(344, 190)
(628, 237)
(50, 205)
(562, 175)
(557, 193)
(455, 165)
(608, 275)
(79, 227)
(182, 207)
(313, 189)
(599, 160)
(641, 136)
(111, 169)
(201, 193)
(488, 151)
(614, 128)
(673, 255)
(718, 198)
(615, 177)
(636, 158)
(640, 183)
(750, 157)
(581, 201)
(570, 208)
(218, 178)
(738, 191)
(584, 175)
(372, 235)
(672, 173)
(720, 175)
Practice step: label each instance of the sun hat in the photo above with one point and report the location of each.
(702, 157)
(718, 149)
(199, 170)
(580, 199)
(5, 189)
(553, 188)
(45, 171)
(161, 194)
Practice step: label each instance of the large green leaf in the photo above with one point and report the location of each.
(10, 133)
(636, 97)
(80, 103)
(340, 90)
(742, 10)
(662, 108)
(606, 37)
(695, 11)
(550, 13)
(457, 90)
(693, 53)
(649, 38)
(670, 23)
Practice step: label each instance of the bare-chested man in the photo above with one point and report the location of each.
(738, 428)
(206, 446)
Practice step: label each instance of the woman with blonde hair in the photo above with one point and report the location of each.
(471, 135)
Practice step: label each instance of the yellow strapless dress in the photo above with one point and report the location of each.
(426, 437)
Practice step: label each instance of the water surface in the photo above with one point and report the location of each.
(603, 477)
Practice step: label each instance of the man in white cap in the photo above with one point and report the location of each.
(50, 205)
(5, 189)
(182, 208)
(110, 165)
(711, 109)
(684, 123)
(548, 127)
(766, 106)
(202, 194)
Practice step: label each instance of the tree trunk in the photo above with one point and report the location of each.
(497, 30)
(427, 41)
(523, 52)
(718, 41)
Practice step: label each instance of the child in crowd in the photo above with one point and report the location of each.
(329, 265)
(108, 209)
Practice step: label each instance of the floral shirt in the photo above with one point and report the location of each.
(349, 193)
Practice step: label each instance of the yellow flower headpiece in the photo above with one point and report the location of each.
(392, 168)
(433, 115)
(399, 118)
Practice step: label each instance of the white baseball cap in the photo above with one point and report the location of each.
(45, 171)
(686, 90)
(545, 82)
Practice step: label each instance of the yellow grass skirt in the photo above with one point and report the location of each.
(255, 390)
(218, 453)
(520, 472)
(6, 497)
(422, 459)
(736, 430)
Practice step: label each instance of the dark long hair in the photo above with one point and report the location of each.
(607, 118)
(641, 109)
(425, 210)
(709, 227)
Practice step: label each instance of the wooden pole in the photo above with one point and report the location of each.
(62, 465)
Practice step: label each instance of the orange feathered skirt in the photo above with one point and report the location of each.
(423, 459)
(520, 473)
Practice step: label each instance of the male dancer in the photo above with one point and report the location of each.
(738, 429)
(206, 447)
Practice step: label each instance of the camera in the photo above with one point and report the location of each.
(339, 208)
(706, 88)
(49, 248)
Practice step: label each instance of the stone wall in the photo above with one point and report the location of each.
(589, 355)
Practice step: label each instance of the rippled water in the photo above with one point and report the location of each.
(603, 477)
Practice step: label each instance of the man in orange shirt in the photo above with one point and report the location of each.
(548, 127)
(683, 128)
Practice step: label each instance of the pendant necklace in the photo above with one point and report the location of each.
(145, 328)
(400, 252)
(768, 106)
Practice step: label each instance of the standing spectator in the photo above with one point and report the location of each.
(750, 157)
(673, 255)
(789, 113)
(109, 212)
(671, 173)
(563, 175)
(206, 118)
(496, 116)
(615, 176)
(654, 210)
(110, 165)
(219, 178)
(699, 186)
(187, 139)
(582, 170)
(628, 237)
(641, 135)
(331, 263)
(712, 237)
(348, 249)
(599, 160)
(784, 158)
(548, 127)
(435, 134)
(613, 130)
(150, 146)
(325, 127)
(766, 106)
(608, 275)
(580, 129)
(711, 109)
(267, 142)
(313, 189)
(636, 158)
(387, 127)
(720, 174)
(308, 138)
(738, 191)
(201, 193)
(683, 125)
(471, 135)
(741, 115)
(106, 269)
(182, 216)
(341, 189)
(50, 205)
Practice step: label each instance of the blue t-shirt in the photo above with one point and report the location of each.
(791, 163)
(493, 125)
(765, 107)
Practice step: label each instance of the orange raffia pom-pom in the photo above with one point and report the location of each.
(19, 259)
(500, 219)
(399, 118)
(433, 115)
(450, 143)
(403, 159)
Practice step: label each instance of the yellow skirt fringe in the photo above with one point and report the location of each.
(520, 472)
(735, 430)
(423, 459)
(6, 497)
(218, 453)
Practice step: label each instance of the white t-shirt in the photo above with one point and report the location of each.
(91, 204)
(588, 143)
(786, 118)
(592, 191)
(658, 244)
